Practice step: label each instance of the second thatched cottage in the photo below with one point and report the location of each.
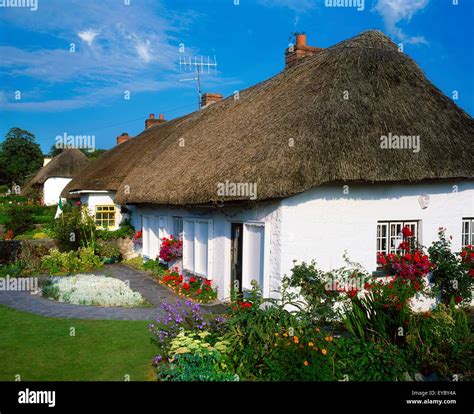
(336, 153)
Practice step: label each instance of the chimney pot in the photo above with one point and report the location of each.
(123, 138)
(151, 121)
(300, 51)
(301, 39)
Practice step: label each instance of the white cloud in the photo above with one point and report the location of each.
(143, 50)
(88, 36)
(396, 11)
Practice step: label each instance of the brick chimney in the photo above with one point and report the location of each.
(294, 54)
(123, 138)
(152, 121)
(210, 98)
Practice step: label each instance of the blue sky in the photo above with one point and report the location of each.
(136, 48)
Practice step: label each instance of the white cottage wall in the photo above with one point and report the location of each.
(52, 189)
(267, 213)
(324, 222)
(105, 198)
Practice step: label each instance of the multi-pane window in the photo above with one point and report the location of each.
(177, 227)
(467, 231)
(105, 216)
(389, 235)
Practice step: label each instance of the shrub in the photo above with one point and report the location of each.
(206, 366)
(250, 331)
(125, 230)
(107, 250)
(74, 228)
(440, 341)
(452, 276)
(30, 256)
(301, 354)
(359, 360)
(20, 219)
(311, 284)
(57, 262)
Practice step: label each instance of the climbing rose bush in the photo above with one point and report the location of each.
(93, 290)
(171, 249)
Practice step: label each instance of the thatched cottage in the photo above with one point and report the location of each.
(52, 178)
(336, 153)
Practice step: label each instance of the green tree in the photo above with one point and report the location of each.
(20, 156)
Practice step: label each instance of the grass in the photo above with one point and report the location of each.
(41, 349)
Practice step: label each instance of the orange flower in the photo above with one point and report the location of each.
(306, 363)
(323, 351)
(328, 338)
(296, 340)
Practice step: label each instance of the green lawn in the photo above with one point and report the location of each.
(40, 348)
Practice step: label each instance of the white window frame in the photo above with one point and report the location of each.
(179, 234)
(467, 236)
(392, 235)
(210, 239)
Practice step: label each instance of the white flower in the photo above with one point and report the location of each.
(97, 291)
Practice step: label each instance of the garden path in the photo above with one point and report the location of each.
(139, 281)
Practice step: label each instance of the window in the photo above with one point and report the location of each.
(177, 227)
(196, 239)
(105, 216)
(467, 231)
(389, 235)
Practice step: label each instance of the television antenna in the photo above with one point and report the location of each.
(198, 65)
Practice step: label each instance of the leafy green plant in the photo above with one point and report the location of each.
(440, 341)
(450, 277)
(126, 230)
(20, 219)
(75, 228)
(83, 260)
(107, 250)
(205, 366)
(311, 284)
(361, 360)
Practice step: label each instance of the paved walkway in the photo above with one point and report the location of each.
(139, 281)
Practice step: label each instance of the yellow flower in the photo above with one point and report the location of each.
(285, 334)
(296, 340)
(306, 363)
(310, 344)
(276, 333)
(323, 351)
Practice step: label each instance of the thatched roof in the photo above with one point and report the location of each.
(296, 131)
(67, 164)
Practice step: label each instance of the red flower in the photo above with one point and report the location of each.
(186, 286)
(381, 259)
(416, 286)
(458, 299)
(244, 305)
(407, 257)
(192, 280)
(352, 293)
(404, 245)
(208, 282)
(407, 232)
(198, 291)
(78, 203)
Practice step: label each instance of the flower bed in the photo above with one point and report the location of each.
(191, 286)
(93, 290)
